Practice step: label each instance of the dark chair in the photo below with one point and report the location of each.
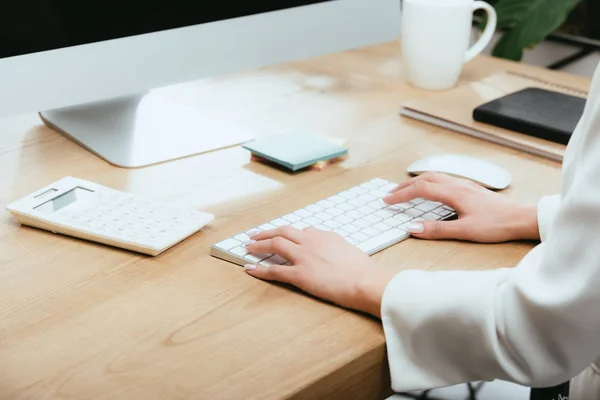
(560, 392)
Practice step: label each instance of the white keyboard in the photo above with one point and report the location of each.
(357, 214)
(87, 210)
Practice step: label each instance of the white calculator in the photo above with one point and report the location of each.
(89, 211)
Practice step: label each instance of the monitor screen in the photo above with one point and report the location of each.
(39, 25)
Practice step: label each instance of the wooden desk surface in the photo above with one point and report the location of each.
(85, 321)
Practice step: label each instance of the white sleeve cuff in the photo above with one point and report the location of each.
(546, 212)
(436, 324)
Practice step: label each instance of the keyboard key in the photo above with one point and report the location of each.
(367, 198)
(239, 251)
(448, 208)
(360, 237)
(413, 212)
(343, 219)
(431, 217)
(369, 186)
(377, 204)
(303, 213)
(372, 218)
(417, 201)
(356, 202)
(358, 190)
(256, 258)
(228, 244)
(323, 216)
(356, 215)
(401, 206)
(267, 227)
(348, 195)
(442, 212)
(300, 225)
(274, 260)
(371, 232)
(345, 207)
(334, 211)
(315, 208)
(361, 223)
(365, 210)
(325, 204)
(242, 237)
(337, 199)
(342, 233)
(312, 221)
(389, 187)
(323, 228)
(385, 213)
(351, 228)
(393, 222)
(382, 240)
(379, 193)
(402, 217)
(379, 182)
(352, 241)
(332, 224)
(427, 206)
(382, 226)
(280, 222)
(292, 218)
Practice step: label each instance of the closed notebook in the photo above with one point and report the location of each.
(542, 113)
(295, 151)
(453, 109)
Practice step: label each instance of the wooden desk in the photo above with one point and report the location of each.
(85, 321)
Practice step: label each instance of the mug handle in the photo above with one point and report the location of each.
(488, 33)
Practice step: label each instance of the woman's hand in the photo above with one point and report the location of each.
(484, 216)
(324, 265)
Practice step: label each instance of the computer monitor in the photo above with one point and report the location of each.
(108, 73)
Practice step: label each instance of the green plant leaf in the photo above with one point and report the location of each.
(527, 23)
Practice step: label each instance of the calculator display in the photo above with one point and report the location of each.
(65, 199)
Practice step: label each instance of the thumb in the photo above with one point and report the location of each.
(437, 229)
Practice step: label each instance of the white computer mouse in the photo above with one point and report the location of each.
(477, 170)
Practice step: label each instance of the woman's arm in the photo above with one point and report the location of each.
(536, 324)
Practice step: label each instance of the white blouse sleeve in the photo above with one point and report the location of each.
(537, 324)
(546, 212)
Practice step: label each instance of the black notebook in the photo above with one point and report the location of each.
(537, 112)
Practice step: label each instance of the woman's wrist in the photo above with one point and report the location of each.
(370, 288)
(526, 223)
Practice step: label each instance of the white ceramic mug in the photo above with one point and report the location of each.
(435, 40)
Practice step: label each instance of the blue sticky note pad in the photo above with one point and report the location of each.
(295, 151)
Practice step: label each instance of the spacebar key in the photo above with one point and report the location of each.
(382, 241)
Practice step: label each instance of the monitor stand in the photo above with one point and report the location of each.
(145, 129)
